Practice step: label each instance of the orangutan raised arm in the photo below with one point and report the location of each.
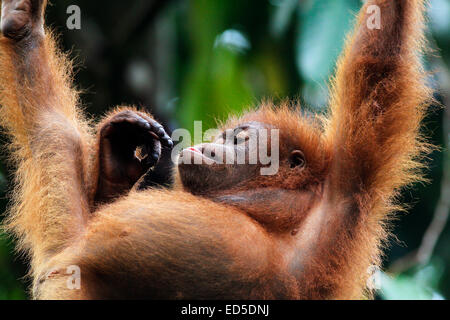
(62, 172)
(309, 229)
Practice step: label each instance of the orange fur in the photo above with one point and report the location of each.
(307, 232)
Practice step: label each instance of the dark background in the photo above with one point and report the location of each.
(202, 59)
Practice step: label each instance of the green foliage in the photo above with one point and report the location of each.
(323, 25)
(10, 288)
(422, 284)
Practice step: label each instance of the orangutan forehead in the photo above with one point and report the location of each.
(246, 125)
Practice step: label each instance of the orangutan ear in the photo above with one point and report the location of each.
(297, 159)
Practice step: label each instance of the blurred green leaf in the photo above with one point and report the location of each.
(419, 286)
(323, 28)
(439, 13)
(215, 84)
(284, 12)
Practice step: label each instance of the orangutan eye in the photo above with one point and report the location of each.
(297, 159)
(227, 137)
(241, 137)
(220, 140)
